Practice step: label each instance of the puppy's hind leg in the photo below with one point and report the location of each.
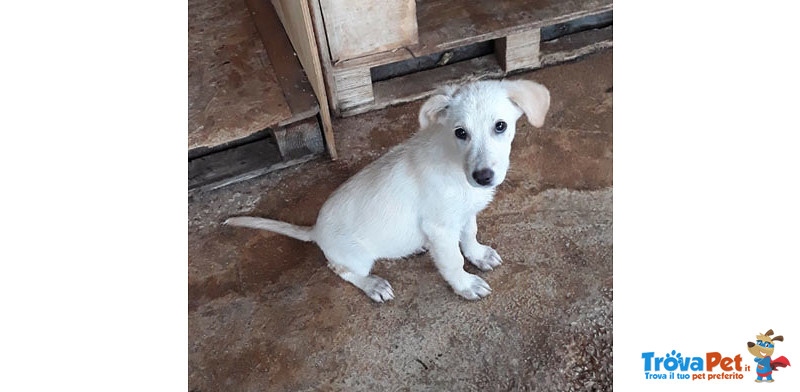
(356, 271)
(374, 286)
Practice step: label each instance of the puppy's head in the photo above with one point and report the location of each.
(478, 122)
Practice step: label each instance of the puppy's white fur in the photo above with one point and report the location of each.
(422, 194)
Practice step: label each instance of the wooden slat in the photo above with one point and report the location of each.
(296, 18)
(324, 52)
(299, 139)
(233, 90)
(352, 26)
(519, 51)
(296, 89)
(354, 86)
(375, 59)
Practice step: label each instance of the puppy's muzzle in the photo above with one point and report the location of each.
(483, 176)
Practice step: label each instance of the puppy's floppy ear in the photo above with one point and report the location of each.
(531, 97)
(435, 105)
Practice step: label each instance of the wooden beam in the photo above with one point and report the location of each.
(299, 139)
(361, 27)
(324, 53)
(296, 18)
(295, 85)
(353, 87)
(519, 51)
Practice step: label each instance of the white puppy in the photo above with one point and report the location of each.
(425, 193)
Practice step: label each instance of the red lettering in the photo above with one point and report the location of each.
(712, 359)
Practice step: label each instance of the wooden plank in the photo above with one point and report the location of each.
(296, 18)
(352, 25)
(519, 51)
(296, 89)
(353, 87)
(299, 139)
(324, 53)
(376, 59)
(233, 89)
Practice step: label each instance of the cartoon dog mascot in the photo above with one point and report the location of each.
(763, 349)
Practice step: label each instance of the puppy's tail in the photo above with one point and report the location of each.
(302, 233)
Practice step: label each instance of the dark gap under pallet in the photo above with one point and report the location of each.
(280, 148)
(200, 152)
(417, 64)
(590, 22)
(235, 161)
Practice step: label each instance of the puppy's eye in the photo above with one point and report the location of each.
(461, 133)
(500, 126)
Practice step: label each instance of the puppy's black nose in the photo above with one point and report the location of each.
(483, 176)
(750, 344)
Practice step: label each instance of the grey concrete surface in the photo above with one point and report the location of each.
(266, 314)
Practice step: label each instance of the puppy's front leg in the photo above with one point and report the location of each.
(481, 256)
(450, 262)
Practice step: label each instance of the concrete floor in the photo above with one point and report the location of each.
(265, 313)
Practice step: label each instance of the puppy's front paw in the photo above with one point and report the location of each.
(473, 287)
(487, 259)
(378, 289)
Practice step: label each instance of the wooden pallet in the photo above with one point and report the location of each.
(513, 26)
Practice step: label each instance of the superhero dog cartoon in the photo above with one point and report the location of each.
(762, 350)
